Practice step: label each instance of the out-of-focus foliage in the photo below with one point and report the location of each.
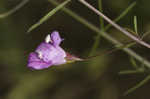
(98, 78)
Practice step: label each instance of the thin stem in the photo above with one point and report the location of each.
(104, 34)
(115, 25)
(130, 72)
(110, 51)
(13, 10)
(97, 38)
(100, 18)
(132, 60)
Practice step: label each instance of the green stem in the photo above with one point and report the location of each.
(97, 39)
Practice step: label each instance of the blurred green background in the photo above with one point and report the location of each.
(94, 79)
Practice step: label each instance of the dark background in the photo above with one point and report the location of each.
(96, 79)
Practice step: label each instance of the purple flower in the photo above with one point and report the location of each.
(48, 53)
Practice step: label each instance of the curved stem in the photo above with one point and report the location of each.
(109, 51)
(114, 24)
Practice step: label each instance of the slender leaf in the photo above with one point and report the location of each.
(132, 32)
(135, 25)
(145, 34)
(133, 62)
(121, 15)
(130, 72)
(13, 10)
(47, 16)
(138, 85)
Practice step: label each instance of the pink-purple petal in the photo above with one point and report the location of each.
(56, 39)
(58, 60)
(47, 50)
(35, 63)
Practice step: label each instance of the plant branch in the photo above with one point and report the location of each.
(114, 24)
(104, 34)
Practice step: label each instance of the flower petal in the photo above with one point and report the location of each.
(58, 60)
(35, 63)
(47, 52)
(56, 39)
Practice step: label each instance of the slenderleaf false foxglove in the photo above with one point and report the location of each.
(49, 53)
